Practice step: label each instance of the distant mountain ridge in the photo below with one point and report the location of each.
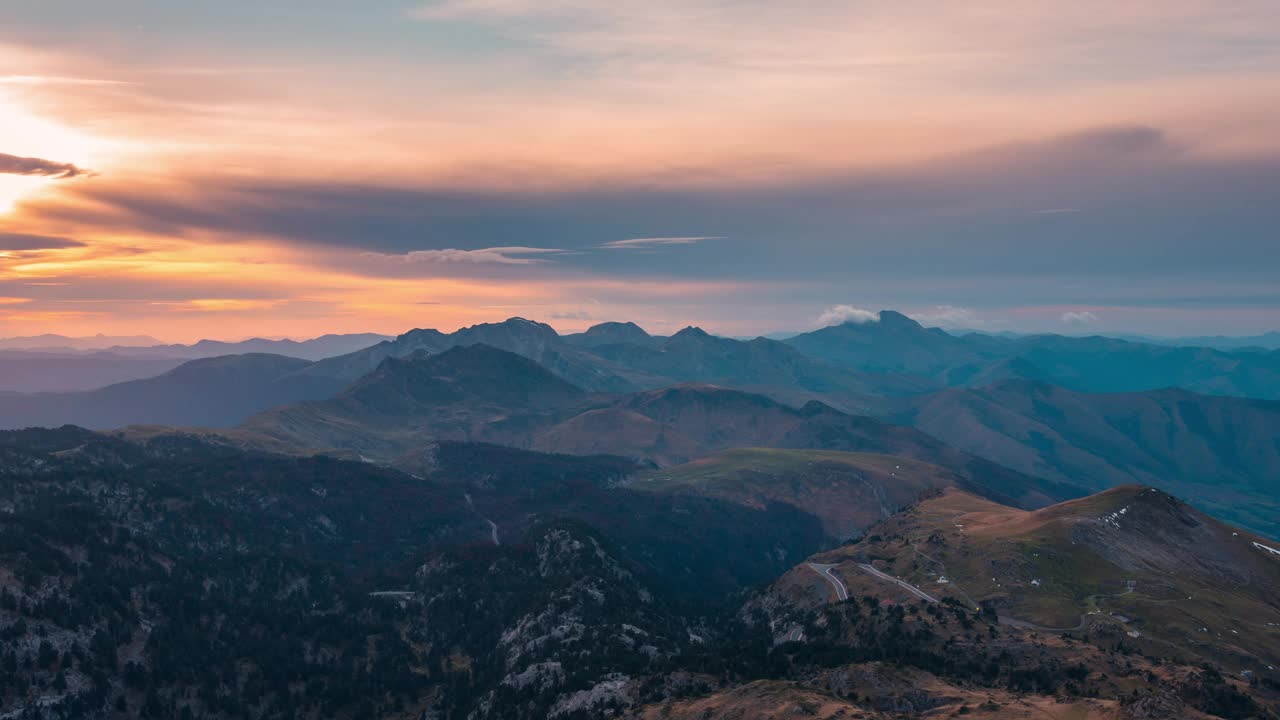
(534, 340)
(898, 344)
(30, 371)
(1030, 403)
(80, 366)
(1230, 343)
(317, 348)
(212, 392)
(51, 341)
(313, 349)
(1220, 453)
(621, 357)
(690, 356)
(479, 393)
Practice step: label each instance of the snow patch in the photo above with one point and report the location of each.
(1113, 519)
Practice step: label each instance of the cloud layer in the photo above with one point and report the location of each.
(14, 165)
(482, 256)
(648, 243)
(738, 165)
(23, 241)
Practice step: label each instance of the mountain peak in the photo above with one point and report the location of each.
(896, 320)
(1131, 507)
(476, 371)
(513, 324)
(517, 320)
(421, 333)
(477, 357)
(628, 327)
(509, 334)
(611, 333)
(692, 331)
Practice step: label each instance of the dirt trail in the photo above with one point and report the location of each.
(493, 526)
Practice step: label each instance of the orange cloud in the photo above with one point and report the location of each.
(666, 97)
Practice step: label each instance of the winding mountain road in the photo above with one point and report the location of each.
(901, 583)
(842, 592)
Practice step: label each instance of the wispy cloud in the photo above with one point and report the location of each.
(944, 315)
(1080, 317)
(837, 314)
(15, 165)
(636, 243)
(221, 304)
(493, 256)
(56, 80)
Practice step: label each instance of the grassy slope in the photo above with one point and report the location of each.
(1202, 589)
(847, 491)
(1217, 453)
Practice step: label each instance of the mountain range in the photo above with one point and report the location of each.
(33, 371)
(477, 393)
(51, 341)
(317, 348)
(1032, 404)
(874, 521)
(173, 575)
(209, 392)
(27, 365)
(1264, 341)
(312, 349)
(897, 344)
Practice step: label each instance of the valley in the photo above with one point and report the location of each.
(639, 360)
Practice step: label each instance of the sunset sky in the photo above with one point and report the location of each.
(283, 168)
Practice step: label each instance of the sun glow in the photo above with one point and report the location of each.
(15, 187)
(26, 134)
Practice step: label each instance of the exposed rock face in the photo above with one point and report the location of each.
(611, 693)
(573, 625)
(1154, 705)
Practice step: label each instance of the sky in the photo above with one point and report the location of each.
(228, 169)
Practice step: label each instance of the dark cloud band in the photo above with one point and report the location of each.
(1115, 201)
(15, 165)
(24, 241)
